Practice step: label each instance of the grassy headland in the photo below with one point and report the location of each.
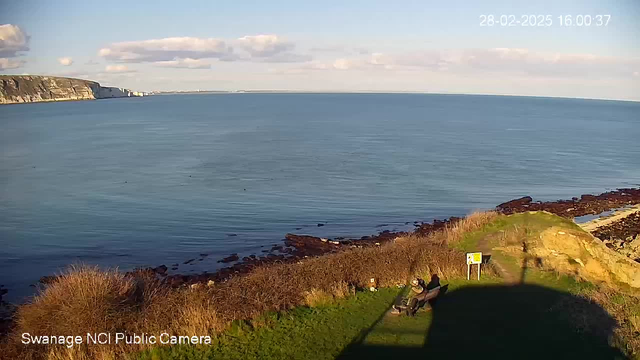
(315, 309)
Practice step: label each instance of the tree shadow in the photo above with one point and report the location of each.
(507, 322)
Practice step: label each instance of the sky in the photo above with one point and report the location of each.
(350, 46)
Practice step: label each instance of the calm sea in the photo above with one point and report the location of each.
(162, 179)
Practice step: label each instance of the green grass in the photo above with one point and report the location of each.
(303, 333)
(533, 222)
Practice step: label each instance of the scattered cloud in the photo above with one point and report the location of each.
(6, 64)
(65, 61)
(173, 51)
(166, 49)
(187, 63)
(13, 41)
(269, 48)
(118, 69)
(495, 60)
(340, 49)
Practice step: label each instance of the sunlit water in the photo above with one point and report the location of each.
(162, 179)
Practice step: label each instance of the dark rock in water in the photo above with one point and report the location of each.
(230, 258)
(162, 270)
(525, 200)
(320, 225)
(382, 225)
(585, 205)
(204, 255)
(175, 265)
(232, 235)
(189, 261)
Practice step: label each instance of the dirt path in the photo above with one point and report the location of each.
(486, 248)
(592, 225)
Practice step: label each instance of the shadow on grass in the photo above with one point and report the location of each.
(507, 322)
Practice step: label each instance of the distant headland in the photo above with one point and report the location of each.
(15, 89)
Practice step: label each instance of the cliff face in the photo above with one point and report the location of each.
(30, 88)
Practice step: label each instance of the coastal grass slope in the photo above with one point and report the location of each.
(320, 307)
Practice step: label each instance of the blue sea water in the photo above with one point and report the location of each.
(161, 179)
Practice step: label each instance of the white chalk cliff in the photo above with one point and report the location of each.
(32, 88)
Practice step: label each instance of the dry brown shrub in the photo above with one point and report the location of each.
(455, 232)
(513, 236)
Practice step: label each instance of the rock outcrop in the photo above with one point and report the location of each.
(31, 88)
(574, 251)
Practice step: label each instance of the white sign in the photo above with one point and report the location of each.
(473, 259)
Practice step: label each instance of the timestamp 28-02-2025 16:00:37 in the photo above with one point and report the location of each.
(508, 20)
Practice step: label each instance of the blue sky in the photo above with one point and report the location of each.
(426, 46)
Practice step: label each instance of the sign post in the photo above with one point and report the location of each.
(473, 258)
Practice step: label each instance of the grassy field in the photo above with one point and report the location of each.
(483, 319)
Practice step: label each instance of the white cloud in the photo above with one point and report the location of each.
(345, 64)
(12, 40)
(166, 49)
(264, 45)
(65, 61)
(118, 69)
(6, 64)
(340, 49)
(269, 48)
(187, 63)
(259, 48)
(496, 60)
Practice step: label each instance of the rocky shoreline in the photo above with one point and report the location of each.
(299, 246)
(619, 236)
(585, 205)
(622, 236)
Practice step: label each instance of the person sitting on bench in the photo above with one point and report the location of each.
(420, 293)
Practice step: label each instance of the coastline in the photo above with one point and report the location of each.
(295, 247)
